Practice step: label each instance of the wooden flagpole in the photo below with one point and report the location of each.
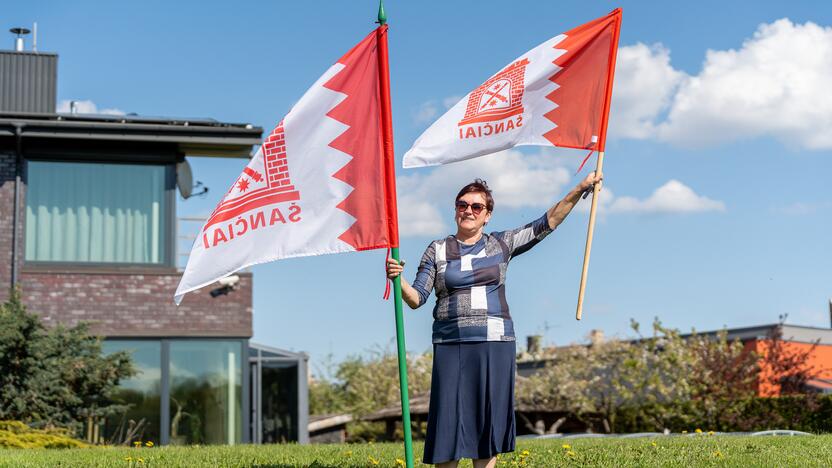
(598, 169)
(390, 186)
(590, 231)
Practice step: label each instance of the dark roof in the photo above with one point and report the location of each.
(418, 406)
(797, 333)
(198, 137)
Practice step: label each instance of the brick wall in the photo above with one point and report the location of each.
(122, 304)
(7, 173)
(115, 302)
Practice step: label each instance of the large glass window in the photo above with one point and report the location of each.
(93, 212)
(206, 396)
(139, 394)
(279, 403)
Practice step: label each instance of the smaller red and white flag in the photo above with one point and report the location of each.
(557, 94)
(319, 184)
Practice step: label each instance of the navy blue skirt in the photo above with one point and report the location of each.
(471, 411)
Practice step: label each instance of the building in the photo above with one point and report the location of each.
(796, 339)
(88, 232)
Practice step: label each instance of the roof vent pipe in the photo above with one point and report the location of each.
(18, 42)
(830, 312)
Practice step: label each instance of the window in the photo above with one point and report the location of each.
(139, 394)
(96, 213)
(206, 394)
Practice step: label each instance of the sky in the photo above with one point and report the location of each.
(717, 203)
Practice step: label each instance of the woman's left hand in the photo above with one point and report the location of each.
(589, 182)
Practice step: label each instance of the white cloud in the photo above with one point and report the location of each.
(517, 180)
(801, 208)
(86, 107)
(672, 197)
(449, 101)
(775, 85)
(426, 112)
(644, 86)
(429, 110)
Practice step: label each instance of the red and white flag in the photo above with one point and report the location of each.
(557, 94)
(319, 183)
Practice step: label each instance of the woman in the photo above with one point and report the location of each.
(472, 389)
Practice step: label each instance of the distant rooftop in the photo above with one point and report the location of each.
(799, 333)
(193, 136)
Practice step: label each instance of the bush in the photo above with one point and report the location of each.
(15, 434)
(56, 376)
(808, 413)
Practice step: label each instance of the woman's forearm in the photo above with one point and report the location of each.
(561, 209)
(558, 213)
(409, 294)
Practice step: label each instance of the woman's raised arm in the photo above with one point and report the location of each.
(561, 209)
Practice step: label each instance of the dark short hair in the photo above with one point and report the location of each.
(478, 186)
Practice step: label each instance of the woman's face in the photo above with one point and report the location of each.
(474, 215)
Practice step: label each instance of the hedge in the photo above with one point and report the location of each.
(809, 413)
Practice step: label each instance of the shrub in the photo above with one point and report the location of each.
(15, 434)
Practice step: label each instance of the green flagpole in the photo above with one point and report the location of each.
(390, 185)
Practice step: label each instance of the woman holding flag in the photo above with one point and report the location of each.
(471, 411)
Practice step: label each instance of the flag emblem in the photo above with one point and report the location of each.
(500, 97)
(252, 190)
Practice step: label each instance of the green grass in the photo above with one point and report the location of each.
(661, 451)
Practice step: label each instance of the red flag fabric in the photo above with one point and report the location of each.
(557, 94)
(317, 185)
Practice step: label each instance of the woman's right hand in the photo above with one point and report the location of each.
(394, 268)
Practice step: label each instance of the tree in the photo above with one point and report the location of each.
(362, 385)
(55, 377)
(786, 367)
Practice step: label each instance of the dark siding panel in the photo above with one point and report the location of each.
(28, 82)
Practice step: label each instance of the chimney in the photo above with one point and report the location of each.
(28, 80)
(533, 344)
(596, 337)
(18, 41)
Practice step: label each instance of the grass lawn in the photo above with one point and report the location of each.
(661, 451)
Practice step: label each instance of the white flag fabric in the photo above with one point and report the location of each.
(316, 185)
(556, 94)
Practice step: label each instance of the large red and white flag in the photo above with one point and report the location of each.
(319, 183)
(557, 94)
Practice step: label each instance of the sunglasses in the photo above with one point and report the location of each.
(476, 208)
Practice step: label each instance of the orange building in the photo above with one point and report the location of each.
(795, 340)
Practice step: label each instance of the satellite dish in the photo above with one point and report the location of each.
(184, 179)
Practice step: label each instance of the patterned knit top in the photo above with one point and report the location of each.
(470, 283)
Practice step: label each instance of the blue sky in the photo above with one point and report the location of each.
(719, 203)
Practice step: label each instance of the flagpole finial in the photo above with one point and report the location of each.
(382, 15)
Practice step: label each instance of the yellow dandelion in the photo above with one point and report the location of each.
(374, 461)
(400, 462)
(566, 446)
(140, 460)
(524, 453)
(570, 453)
(718, 454)
(128, 459)
(698, 431)
(149, 443)
(654, 444)
(137, 443)
(710, 433)
(684, 432)
(348, 453)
